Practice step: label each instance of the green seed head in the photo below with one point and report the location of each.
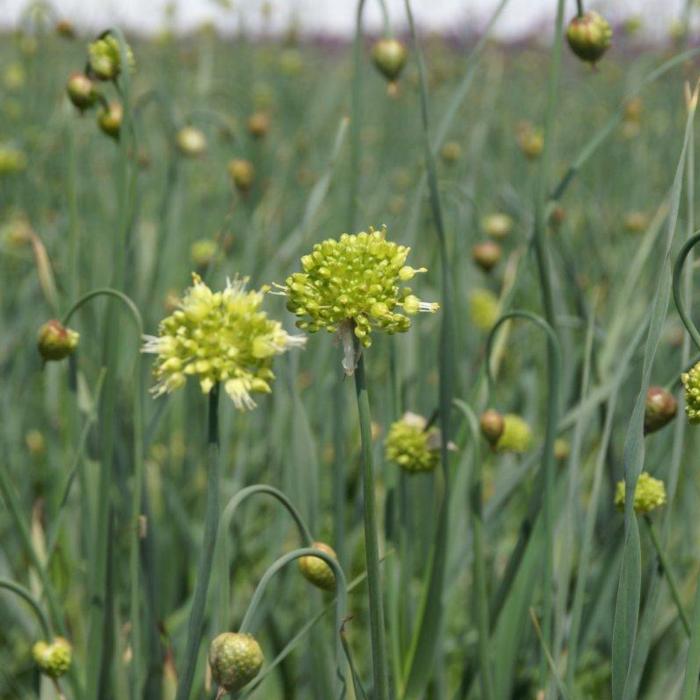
(317, 571)
(411, 446)
(691, 382)
(660, 409)
(589, 36)
(389, 56)
(56, 341)
(81, 91)
(516, 436)
(54, 658)
(356, 281)
(649, 494)
(235, 659)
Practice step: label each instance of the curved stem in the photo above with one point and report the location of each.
(340, 603)
(211, 523)
(107, 291)
(677, 293)
(369, 508)
(33, 603)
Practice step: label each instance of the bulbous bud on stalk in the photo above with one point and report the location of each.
(12, 160)
(589, 36)
(497, 225)
(110, 118)
(530, 140)
(486, 255)
(636, 222)
(562, 449)
(317, 571)
(203, 252)
(633, 110)
(104, 58)
(660, 409)
(516, 436)
(492, 425)
(451, 152)
(556, 217)
(53, 658)
(389, 56)
(691, 382)
(56, 342)
(65, 29)
(235, 659)
(649, 494)
(191, 142)
(484, 309)
(242, 173)
(81, 91)
(35, 442)
(258, 124)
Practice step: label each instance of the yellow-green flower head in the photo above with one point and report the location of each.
(691, 382)
(104, 57)
(516, 435)
(411, 446)
(54, 658)
(650, 493)
(12, 160)
(355, 280)
(484, 309)
(219, 337)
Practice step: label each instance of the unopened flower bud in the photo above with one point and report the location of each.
(589, 36)
(389, 56)
(65, 29)
(235, 659)
(203, 252)
(316, 570)
(492, 425)
(530, 140)
(110, 118)
(105, 58)
(497, 225)
(242, 173)
(451, 152)
(562, 449)
(660, 409)
(191, 142)
(54, 658)
(81, 91)
(258, 124)
(56, 341)
(556, 217)
(636, 221)
(486, 255)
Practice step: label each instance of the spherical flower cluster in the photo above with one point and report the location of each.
(235, 659)
(219, 337)
(53, 658)
(316, 570)
(691, 382)
(355, 280)
(650, 493)
(411, 446)
(516, 436)
(104, 58)
(484, 309)
(589, 36)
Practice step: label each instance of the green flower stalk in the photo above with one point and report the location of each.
(691, 382)
(53, 658)
(649, 494)
(516, 436)
(219, 337)
(411, 446)
(353, 286)
(104, 58)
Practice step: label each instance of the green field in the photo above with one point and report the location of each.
(152, 501)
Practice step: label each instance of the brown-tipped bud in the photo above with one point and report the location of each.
(660, 409)
(81, 91)
(589, 36)
(486, 255)
(56, 341)
(242, 173)
(316, 570)
(389, 56)
(556, 217)
(110, 119)
(258, 125)
(492, 425)
(65, 29)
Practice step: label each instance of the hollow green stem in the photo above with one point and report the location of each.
(376, 608)
(677, 294)
(211, 524)
(668, 573)
(33, 603)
